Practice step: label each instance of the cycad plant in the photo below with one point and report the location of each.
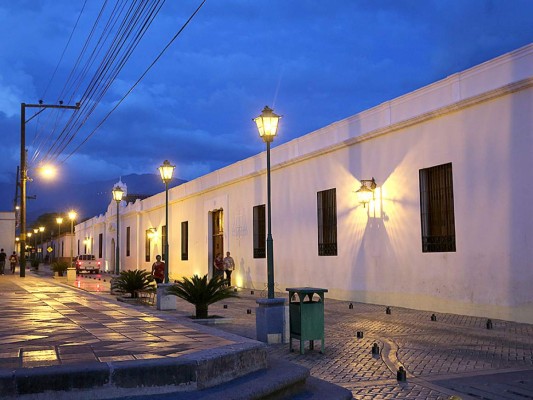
(133, 281)
(201, 292)
(60, 267)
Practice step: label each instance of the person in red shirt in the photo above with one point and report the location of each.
(158, 269)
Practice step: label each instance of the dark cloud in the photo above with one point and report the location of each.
(315, 62)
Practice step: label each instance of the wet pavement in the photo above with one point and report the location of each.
(44, 321)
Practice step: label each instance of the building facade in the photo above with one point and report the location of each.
(447, 229)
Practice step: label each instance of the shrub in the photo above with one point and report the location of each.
(133, 281)
(201, 292)
(60, 267)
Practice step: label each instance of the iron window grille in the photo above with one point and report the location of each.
(259, 231)
(327, 222)
(436, 209)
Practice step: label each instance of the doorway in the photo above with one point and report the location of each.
(217, 240)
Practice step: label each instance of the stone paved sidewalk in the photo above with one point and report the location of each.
(454, 355)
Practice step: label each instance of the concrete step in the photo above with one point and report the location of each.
(282, 380)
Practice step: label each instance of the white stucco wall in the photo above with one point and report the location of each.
(479, 120)
(7, 231)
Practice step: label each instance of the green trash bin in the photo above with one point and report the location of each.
(306, 316)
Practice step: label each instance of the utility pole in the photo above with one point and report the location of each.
(24, 172)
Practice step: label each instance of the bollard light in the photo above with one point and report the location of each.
(388, 310)
(489, 324)
(248, 311)
(359, 334)
(375, 349)
(433, 317)
(401, 375)
(350, 306)
(225, 306)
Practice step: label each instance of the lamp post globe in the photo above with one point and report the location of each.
(166, 170)
(117, 196)
(267, 125)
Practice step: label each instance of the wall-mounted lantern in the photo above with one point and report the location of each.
(152, 233)
(366, 192)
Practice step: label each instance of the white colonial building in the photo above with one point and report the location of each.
(449, 227)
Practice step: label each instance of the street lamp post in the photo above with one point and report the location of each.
(72, 216)
(28, 235)
(267, 125)
(166, 170)
(41, 229)
(117, 196)
(35, 232)
(59, 221)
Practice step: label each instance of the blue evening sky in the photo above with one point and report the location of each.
(313, 61)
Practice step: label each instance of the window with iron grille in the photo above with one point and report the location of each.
(128, 237)
(100, 245)
(185, 240)
(147, 245)
(436, 209)
(327, 222)
(259, 231)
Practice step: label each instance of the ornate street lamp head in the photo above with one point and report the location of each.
(72, 215)
(166, 170)
(117, 193)
(267, 124)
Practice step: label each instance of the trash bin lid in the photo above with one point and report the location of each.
(306, 290)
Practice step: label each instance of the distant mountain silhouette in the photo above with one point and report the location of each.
(88, 199)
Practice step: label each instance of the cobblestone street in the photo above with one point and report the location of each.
(454, 355)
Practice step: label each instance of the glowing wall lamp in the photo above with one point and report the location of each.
(152, 233)
(366, 192)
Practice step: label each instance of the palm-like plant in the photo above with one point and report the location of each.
(133, 281)
(201, 292)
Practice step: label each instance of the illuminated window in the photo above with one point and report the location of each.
(436, 209)
(327, 222)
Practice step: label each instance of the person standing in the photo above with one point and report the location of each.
(229, 266)
(3, 257)
(218, 263)
(158, 270)
(13, 260)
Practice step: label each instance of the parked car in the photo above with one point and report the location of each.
(87, 262)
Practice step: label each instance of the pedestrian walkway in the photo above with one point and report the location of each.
(54, 336)
(444, 356)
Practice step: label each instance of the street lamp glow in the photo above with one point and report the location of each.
(48, 171)
(267, 124)
(118, 193)
(166, 170)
